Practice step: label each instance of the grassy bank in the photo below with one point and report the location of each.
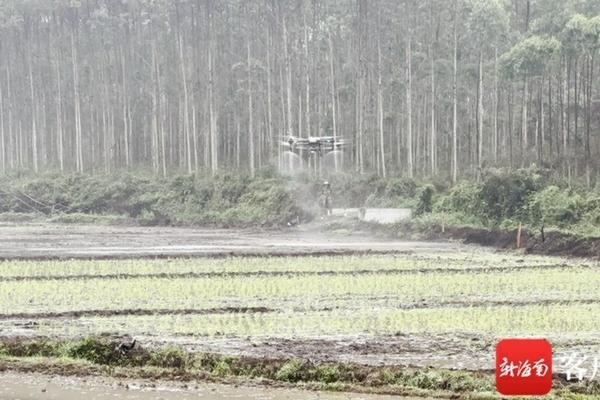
(99, 356)
(223, 200)
(501, 201)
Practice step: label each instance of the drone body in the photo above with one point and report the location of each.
(314, 144)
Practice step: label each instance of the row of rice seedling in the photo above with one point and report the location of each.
(78, 268)
(304, 292)
(547, 320)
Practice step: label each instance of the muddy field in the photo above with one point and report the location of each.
(326, 298)
(41, 387)
(51, 241)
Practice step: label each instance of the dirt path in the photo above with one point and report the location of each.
(54, 241)
(42, 387)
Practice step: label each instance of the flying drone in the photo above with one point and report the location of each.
(314, 144)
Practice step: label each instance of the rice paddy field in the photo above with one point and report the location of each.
(427, 308)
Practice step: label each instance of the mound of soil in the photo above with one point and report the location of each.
(553, 243)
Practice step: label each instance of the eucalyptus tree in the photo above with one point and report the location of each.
(205, 85)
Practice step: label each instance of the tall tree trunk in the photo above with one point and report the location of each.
(524, 123)
(288, 80)
(11, 134)
(480, 118)
(496, 105)
(194, 135)
(541, 123)
(126, 120)
(510, 125)
(34, 133)
(409, 106)
(155, 112)
(214, 144)
(361, 83)
(269, 96)
(567, 130)
(576, 110)
(455, 99)
(2, 140)
(333, 103)
(77, 105)
(433, 127)
(59, 118)
(307, 76)
(250, 114)
(588, 120)
(433, 145)
(550, 120)
(380, 94)
(186, 113)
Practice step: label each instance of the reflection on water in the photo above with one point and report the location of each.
(39, 387)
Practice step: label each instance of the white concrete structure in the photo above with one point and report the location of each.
(379, 215)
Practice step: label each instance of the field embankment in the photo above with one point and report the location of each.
(553, 243)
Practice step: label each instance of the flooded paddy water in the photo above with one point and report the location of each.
(56, 241)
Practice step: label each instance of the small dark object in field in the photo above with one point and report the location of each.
(125, 348)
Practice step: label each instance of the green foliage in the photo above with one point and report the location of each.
(292, 371)
(188, 199)
(424, 204)
(326, 373)
(505, 193)
(488, 21)
(95, 350)
(169, 357)
(37, 348)
(401, 187)
(530, 56)
(582, 33)
(555, 207)
(352, 190)
(457, 381)
(222, 368)
(425, 380)
(394, 193)
(464, 198)
(591, 209)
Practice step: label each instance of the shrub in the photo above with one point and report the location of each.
(169, 357)
(222, 368)
(464, 198)
(456, 381)
(221, 200)
(95, 350)
(291, 371)
(424, 204)
(425, 380)
(504, 194)
(401, 187)
(327, 373)
(555, 207)
(591, 209)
